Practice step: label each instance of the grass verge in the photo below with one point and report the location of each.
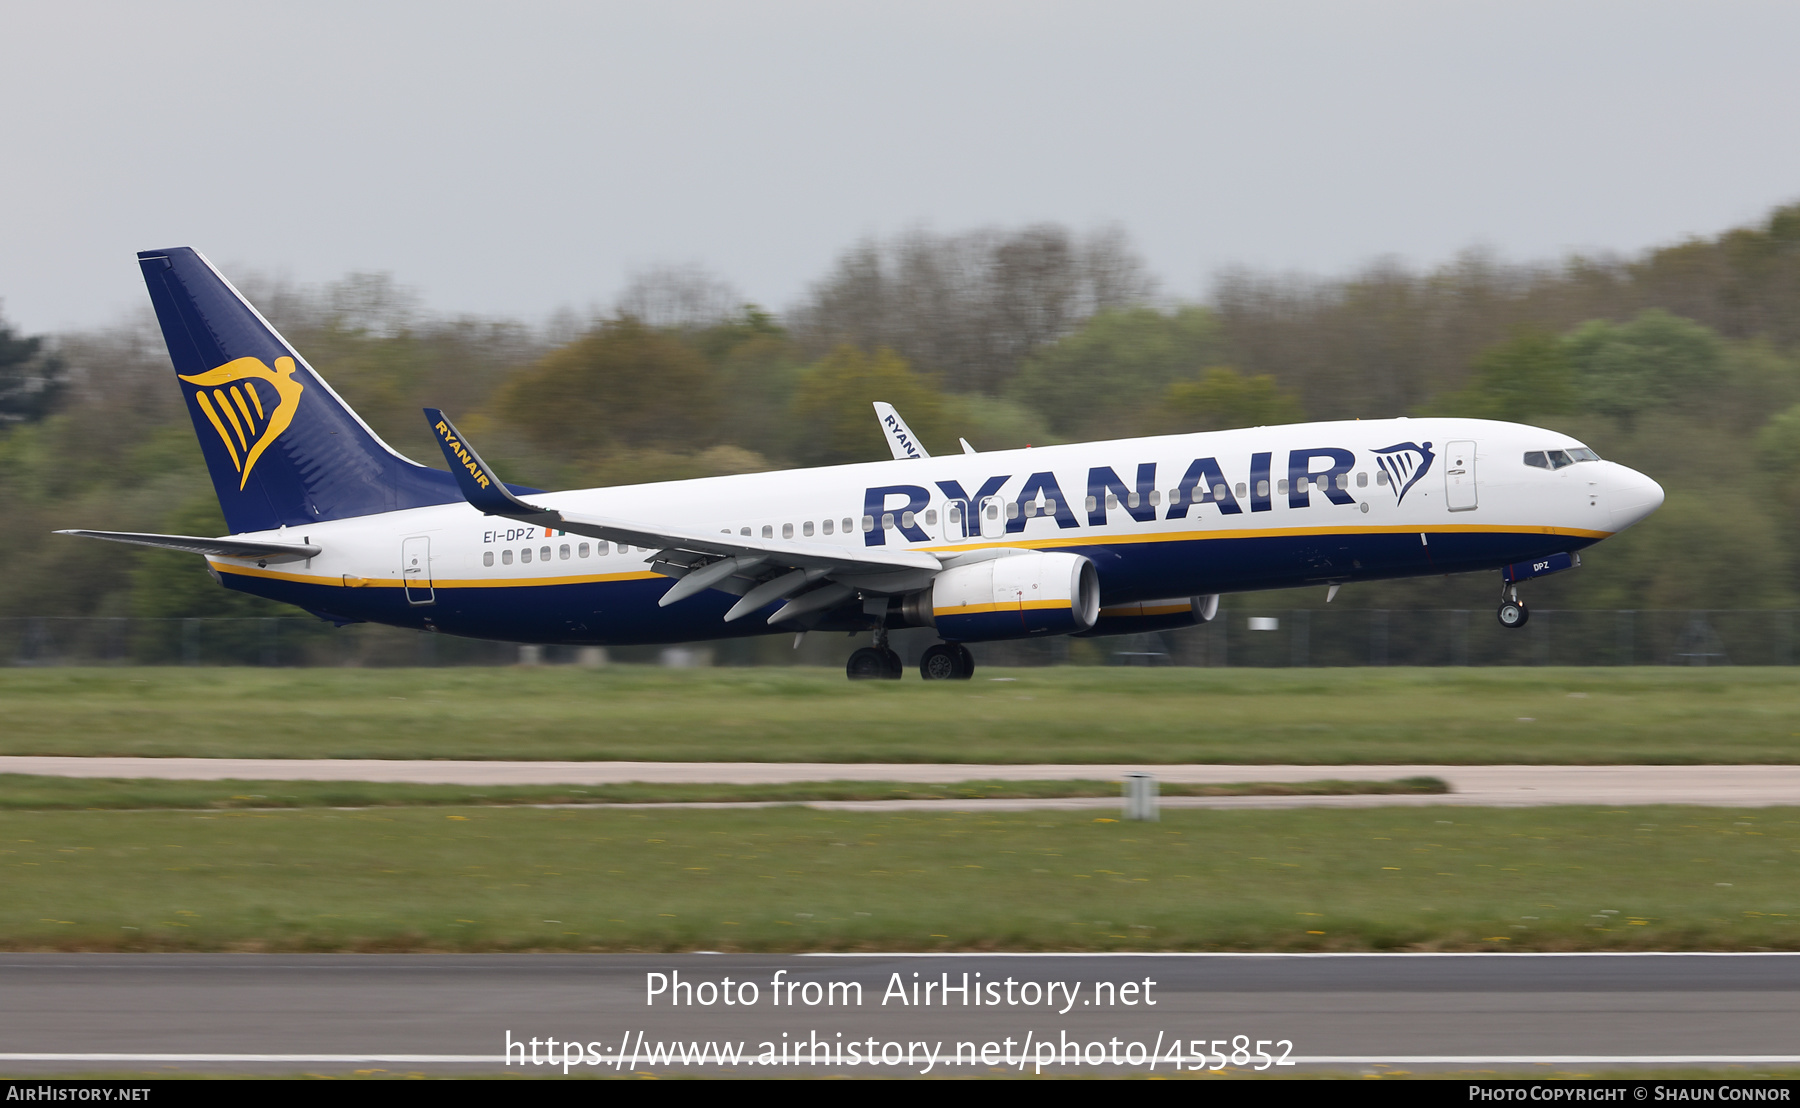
(789, 879)
(1324, 717)
(24, 792)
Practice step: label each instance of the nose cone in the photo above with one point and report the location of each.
(1632, 496)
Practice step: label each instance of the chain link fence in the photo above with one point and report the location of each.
(1245, 637)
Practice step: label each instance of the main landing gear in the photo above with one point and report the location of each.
(944, 662)
(1513, 612)
(947, 661)
(875, 663)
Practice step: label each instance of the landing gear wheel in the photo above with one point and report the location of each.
(1513, 613)
(868, 664)
(945, 662)
(895, 667)
(968, 663)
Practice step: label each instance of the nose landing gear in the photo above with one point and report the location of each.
(1513, 612)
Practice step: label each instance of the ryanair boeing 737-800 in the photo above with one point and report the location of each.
(1093, 538)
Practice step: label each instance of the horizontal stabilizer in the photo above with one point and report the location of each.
(227, 547)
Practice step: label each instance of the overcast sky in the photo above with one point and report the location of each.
(510, 159)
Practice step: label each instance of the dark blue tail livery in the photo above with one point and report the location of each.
(282, 448)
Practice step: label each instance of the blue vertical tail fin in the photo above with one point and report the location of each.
(282, 448)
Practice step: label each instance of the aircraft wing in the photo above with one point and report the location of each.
(227, 547)
(816, 575)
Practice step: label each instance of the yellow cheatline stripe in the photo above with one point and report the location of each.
(978, 609)
(1030, 544)
(231, 417)
(1088, 538)
(337, 580)
(224, 436)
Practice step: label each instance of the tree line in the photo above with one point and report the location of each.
(1683, 362)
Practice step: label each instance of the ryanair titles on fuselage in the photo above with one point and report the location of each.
(1324, 470)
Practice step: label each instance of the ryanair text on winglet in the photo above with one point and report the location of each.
(462, 455)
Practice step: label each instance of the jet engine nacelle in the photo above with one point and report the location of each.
(1010, 598)
(1153, 615)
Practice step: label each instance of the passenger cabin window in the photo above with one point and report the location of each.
(487, 559)
(1093, 502)
(1242, 490)
(887, 521)
(563, 552)
(544, 553)
(1381, 478)
(744, 531)
(601, 548)
(806, 529)
(907, 519)
(506, 557)
(827, 526)
(849, 526)
(1262, 488)
(1112, 501)
(582, 550)
(931, 517)
(787, 530)
(1362, 480)
(868, 524)
(525, 555)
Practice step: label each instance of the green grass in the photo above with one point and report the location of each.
(22, 792)
(1071, 714)
(781, 879)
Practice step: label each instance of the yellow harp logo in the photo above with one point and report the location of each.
(248, 404)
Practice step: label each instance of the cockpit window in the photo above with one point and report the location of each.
(1559, 459)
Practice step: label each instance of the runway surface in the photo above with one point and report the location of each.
(232, 1013)
(1504, 786)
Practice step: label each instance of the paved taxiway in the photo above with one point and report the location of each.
(334, 1013)
(1505, 786)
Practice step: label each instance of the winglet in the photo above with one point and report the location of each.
(480, 486)
(900, 438)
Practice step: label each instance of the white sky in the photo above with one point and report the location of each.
(510, 159)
